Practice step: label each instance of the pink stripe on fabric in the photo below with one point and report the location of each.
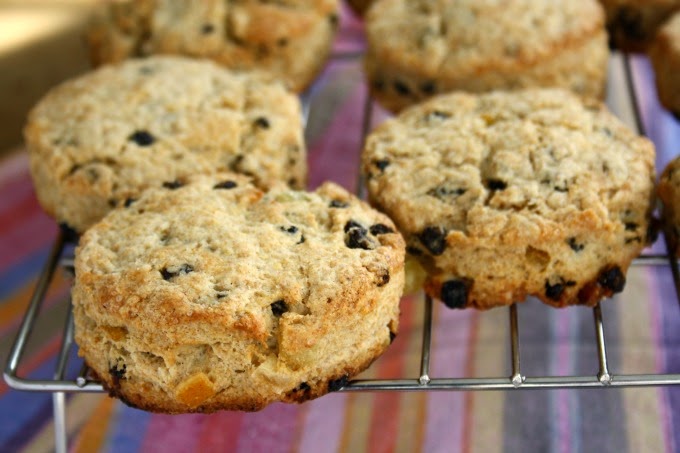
(220, 431)
(272, 429)
(173, 433)
(324, 424)
(655, 309)
(351, 33)
(335, 156)
(14, 166)
(19, 214)
(451, 347)
(35, 233)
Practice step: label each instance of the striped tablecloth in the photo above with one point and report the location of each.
(642, 330)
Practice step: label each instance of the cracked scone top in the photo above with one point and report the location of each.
(418, 48)
(215, 296)
(290, 38)
(510, 194)
(99, 139)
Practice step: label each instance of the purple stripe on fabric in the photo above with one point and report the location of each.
(664, 130)
(601, 424)
(562, 365)
(21, 434)
(451, 346)
(324, 424)
(17, 275)
(127, 430)
(36, 232)
(527, 416)
(324, 161)
(670, 342)
(16, 191)
(272, 429)
(660, 126)
(657, 330)
(351, 33)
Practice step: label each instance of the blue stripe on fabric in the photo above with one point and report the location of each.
(129, 429)
(22, 272)
(24, 414)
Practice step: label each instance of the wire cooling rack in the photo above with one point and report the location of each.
(61, 255)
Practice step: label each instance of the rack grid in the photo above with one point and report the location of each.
(61, 255)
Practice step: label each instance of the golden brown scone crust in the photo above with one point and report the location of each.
(215, 296)
(513, 194)
(360, 6)
(99, 139)
(420, 48)
(290, 38)
(632, 24)
(669, 193)
(665, 56)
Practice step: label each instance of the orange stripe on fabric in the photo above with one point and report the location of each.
(412, 418)
(14, 307)
(93, 434)
(357, 418)
(384, 422)
(34, 362)
(468, 402)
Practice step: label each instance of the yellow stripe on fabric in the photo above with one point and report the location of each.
(79, 410)
(15, 306)
(93, 435)
(412, 414)
(642, 407)
(489, 360)
(358, 415)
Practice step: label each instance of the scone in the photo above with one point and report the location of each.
(101, 138)
(506, 195)
(665, 56)
(214, 296)
(632, 24)
(290, 38)
(669, 193)
(360, 6)
(419, 48)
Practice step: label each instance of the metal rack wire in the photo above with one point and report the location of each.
(602, 377)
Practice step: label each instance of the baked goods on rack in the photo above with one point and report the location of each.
(96, 141)
(669, 193)
(417, 49)
(290, 38)
(213, 295)
(665, 56)
(513, 194)
(632, 24)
